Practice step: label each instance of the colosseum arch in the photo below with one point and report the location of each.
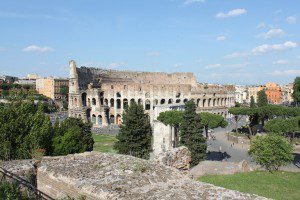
(93, 101)
(125, 103)
(118, 94)
(162, 101)
(132, 101)
(106, 102)
(214, 102)
(204, 103)
(83, 99)
(99, 119)
(119, 119)
(118, 103)
(140, 101)
(170, 101)
(185, 100)
(178, 100)
(112, 102)
(209, 102)
(112, 119)
(198, 101)
(94, 119)
(147, 104)
(155, 102)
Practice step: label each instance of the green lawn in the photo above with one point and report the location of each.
(104, 143)
(277, 185)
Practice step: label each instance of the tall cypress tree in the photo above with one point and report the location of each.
(252, 102)
(296, 93)
(134, 137)
(191, 133)
(262, 99)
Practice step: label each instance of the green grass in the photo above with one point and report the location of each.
(104, 143)
(277, 185)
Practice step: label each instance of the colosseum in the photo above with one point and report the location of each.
(100, 95)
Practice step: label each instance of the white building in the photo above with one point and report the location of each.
(241, 94)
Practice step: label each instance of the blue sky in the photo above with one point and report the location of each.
(221, 41)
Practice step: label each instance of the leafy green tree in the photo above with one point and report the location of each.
(271, 151)
(23, 129)
(288, 127)
(134, 137)
(209, 120)
(174, 119)
(72, 136)
(237, 104)
(296, 88)
(262, 99)
(191, 133)
(252, 102)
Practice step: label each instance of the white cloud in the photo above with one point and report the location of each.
(281, 62)
(116, 64)
(291, 20)
(35, 48)
(261, 25)
(179, 65)
(221, 38)
(274, 32)
(154, 53)
(232, 13)
(235, 55)
(188, 2)
(265, 48)
(289, 72)
(213, 66)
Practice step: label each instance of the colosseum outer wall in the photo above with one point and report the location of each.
(100, 95)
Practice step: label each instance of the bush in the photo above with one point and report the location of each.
(12, 191)
(72, 136)
(271, 151)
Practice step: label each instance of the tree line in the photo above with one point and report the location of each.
(25, 128)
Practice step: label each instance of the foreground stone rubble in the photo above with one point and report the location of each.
(111, 176)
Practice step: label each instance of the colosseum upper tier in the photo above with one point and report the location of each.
(100, 95)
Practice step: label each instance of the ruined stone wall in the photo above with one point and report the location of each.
(112, 176)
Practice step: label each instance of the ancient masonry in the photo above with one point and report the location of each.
(97, 175)
(100, 95)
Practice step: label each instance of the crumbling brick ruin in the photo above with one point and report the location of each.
(100, 95)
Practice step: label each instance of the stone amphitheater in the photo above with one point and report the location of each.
(100, 96)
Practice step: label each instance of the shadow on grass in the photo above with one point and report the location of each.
(296, 160)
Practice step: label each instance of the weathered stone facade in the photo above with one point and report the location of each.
(100, 95)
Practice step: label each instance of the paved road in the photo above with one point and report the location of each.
(237, 152)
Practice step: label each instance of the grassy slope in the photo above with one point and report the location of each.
(277, 185)
(104, 143)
